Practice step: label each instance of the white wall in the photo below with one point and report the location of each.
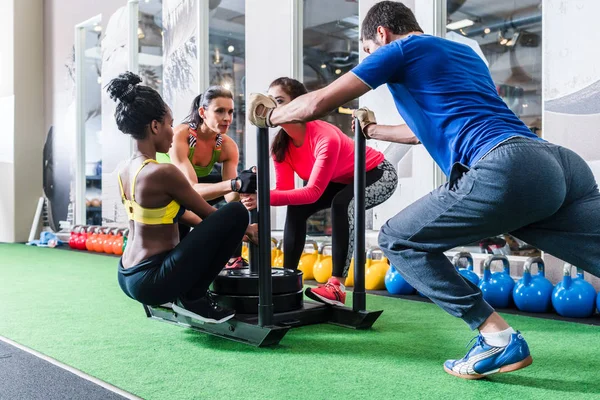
(21, 98)
(7, 195)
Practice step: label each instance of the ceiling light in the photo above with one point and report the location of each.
(230, 49)
(487, 30)
(525, 105)
(98, 28)
(323, 66)
(338, 71)
(503, 42)
(463, 23)
(227, 85)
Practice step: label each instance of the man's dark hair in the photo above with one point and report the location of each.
(392, 15)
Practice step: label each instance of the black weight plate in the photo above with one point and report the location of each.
(241, 282)
(249, 304)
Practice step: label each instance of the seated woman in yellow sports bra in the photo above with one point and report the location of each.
(156, 266)
(199, 144)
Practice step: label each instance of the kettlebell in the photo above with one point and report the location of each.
(125, 234)
(350, 278)
(467, 272)
(117, 244)
(91, 238)
(308, 259)
(246, 252)
(274, 250)
(278, 261)
(497, 287)
(395, 283)
(80, 242)
(323, 266)
(108, 241)
(533, 293)
(99, 243)
(573, 298)
(74, 236)
(375, 270)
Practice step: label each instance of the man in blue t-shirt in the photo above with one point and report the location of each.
(502, 177)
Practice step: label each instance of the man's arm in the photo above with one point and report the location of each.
(392, 133)
(315, 104)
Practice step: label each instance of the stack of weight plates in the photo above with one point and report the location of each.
(238, 289)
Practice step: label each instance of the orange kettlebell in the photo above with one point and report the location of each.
(108, 242)
(99, 243)
(117, 244)
(91, 238)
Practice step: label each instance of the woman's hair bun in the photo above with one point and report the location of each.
(122, 88)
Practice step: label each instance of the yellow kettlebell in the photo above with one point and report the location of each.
(350, 277)
(245, 251)
(323, 265)
(375, 270)
(274, 250)
(308, 259)
(278, 260)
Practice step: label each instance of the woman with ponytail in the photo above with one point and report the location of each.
(199, 143)
(323, 156)
(156, 266)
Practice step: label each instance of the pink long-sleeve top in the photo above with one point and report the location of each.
(327, 155)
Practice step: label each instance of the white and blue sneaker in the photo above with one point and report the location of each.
(483, 360)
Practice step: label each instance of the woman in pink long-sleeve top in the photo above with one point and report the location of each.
(322, 155)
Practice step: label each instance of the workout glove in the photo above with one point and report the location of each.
(260, 110)
(365, 117)
(247, 180)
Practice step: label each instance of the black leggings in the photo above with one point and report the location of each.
(188, 270)
(381, 184)
(218, 202)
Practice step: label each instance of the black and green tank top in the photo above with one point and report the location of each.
(192, 139)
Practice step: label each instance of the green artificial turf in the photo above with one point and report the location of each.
(68, 306)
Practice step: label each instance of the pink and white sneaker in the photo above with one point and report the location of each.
(333, 292)
(236, 263)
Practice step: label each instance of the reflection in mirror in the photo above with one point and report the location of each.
(508, 36)
(330, 47)
(150, 36)
(88, 78)
(227, 62)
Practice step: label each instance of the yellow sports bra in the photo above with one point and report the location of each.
(168, 214)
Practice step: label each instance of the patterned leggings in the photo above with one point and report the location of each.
(381, 184)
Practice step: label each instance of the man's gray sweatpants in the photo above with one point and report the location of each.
(541, 193)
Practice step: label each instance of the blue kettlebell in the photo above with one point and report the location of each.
(466, 272)
(533, 293)
(395, 283)
(574, 298)
(497, 287)
(598, 302)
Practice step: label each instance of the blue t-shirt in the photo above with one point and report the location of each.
(446, 96)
